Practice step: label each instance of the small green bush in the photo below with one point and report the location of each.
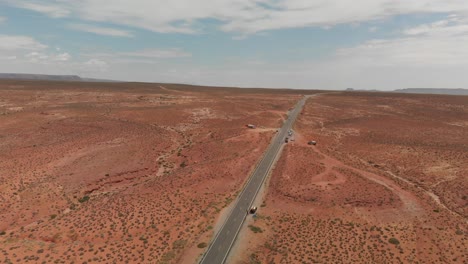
(84, 199)
(168, 256)
(255, 229)
(202, 245)
(393, 241)
(179, 244)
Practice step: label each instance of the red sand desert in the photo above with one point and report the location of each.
(386, 183)
(141, 173)
(116, 173)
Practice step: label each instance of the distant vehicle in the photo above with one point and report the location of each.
(251, 126)
(312, 142)
(252, 210)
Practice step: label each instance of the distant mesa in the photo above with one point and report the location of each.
(360, 90)
(447, 91)
(444, 91)
(45, 77)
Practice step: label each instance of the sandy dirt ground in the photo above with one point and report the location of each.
(124, 173)
(386, 183)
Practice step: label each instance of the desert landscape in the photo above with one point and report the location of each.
(386, 183)
(124, 173)
(146, 173)
(234, 132)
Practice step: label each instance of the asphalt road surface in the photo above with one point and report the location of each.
(224, 239)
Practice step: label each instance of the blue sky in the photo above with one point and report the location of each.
(333, 44)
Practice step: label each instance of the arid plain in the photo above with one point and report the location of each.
(124, 172)
(386, 183)
(141, 173)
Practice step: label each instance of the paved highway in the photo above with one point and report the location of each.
(224, 239)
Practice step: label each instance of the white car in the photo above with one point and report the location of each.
(252, 210)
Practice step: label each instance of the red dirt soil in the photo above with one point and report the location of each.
(386, 183)
(133, 173)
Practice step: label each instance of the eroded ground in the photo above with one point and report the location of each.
(123, 173)
(386, 183)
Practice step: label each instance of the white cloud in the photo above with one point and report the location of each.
(373, 29)
(2, 19)
(62, 57)
(93, 65)
(25, 50)
(55, 10)
(451, 27)
(106, 31)
(158, 53)
(14, 42)
(437, 44)
(47, 58)
(241, 16)
(36, 56)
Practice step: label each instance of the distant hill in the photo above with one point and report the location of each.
(434, 91)
(44, 77)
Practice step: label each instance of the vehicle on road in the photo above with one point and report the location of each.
(252, 210)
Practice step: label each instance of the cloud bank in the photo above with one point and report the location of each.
(240, 16)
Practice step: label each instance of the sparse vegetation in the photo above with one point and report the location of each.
(333, 204)
(393, 241)
(202, 245)
(83, 199)
(151, 212)
(255, 229)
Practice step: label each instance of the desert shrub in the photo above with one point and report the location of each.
(202, 245)
(393, 241)
(168, 256)
(53, 216)
(84, 199)
(2, 233)
(179, 244)
(255, 229)
(254, 259)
